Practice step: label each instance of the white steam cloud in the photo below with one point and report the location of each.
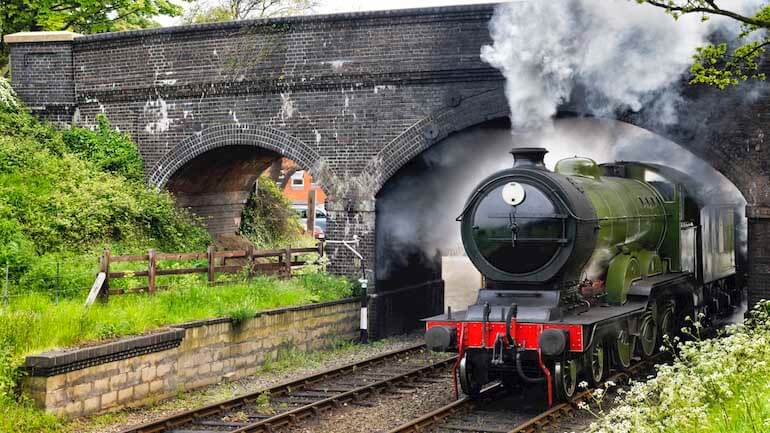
(621, 55)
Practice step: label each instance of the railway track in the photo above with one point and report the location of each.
(492, 413)
(294, 402)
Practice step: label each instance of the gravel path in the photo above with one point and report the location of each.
(117, 421)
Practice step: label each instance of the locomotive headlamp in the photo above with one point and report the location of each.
(513, 193)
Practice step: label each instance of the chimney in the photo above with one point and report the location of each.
(529, 157)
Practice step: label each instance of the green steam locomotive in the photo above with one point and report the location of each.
(584, 268)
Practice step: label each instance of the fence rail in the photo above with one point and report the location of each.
(285, 260)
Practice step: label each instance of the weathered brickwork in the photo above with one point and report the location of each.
(210, 352)
(351, 97)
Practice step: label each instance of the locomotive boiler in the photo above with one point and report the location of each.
(584, 267)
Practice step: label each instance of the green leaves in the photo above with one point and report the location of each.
(112, 151)
(715, 65)
(722, 65)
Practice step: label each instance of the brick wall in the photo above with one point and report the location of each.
(119, 374)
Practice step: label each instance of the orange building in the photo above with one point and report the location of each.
(297, 183)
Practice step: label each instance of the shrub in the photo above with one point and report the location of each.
(110, 150)
(268, 219)
(78, 194)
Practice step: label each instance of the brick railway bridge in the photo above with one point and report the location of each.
(352, 98)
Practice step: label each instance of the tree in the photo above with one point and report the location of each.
(229, 10)
(722, 65)
(83, 16)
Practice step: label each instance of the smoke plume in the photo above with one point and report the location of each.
(618, 55)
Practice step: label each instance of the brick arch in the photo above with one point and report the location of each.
(493, 104)
(220, 136)
(432, 129)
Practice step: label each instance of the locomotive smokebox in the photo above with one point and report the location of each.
(529, 157)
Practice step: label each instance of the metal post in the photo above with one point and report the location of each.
(364, 323)
(364, 326)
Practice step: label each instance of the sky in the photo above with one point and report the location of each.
(336, 6)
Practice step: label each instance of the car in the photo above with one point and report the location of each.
(320, 219)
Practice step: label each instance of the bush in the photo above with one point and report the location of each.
(110, 150)
(268, 219)
(73, 193)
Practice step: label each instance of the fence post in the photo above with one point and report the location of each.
(250, 258)
(211, 272)
(287, 262)
(104, 293)
(311, 204)
(151, 271)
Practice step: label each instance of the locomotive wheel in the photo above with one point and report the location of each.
(468, 383)
(565, 375)
(624, 347)
(595, 365)
(667, 323)
(648, 335)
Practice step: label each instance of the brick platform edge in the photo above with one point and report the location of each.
(139, 370)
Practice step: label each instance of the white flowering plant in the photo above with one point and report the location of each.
(714, 385)
(8, 99)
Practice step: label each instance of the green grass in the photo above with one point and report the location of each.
(718, 385)
(34, 323)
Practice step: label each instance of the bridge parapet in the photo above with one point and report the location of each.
(43, 74)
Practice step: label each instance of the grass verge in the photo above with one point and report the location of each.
(34, 323)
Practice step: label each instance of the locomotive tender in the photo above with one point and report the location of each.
(583, 268)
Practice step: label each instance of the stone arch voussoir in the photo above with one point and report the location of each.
(233, 135)
(432, 129)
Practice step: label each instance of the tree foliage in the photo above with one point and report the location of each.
(82, 16)
(229, 10)
(723, 65)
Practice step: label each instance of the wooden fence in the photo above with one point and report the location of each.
(279, 262)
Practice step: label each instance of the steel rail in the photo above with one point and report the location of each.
(291, 417)
(465, 405)
(462, 405)
(562, 409)
(286, 388)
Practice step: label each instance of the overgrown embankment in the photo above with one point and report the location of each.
(64, 196)
(718, 385)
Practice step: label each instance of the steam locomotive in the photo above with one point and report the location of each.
(584, 268)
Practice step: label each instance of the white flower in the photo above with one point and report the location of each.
(583, 385)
